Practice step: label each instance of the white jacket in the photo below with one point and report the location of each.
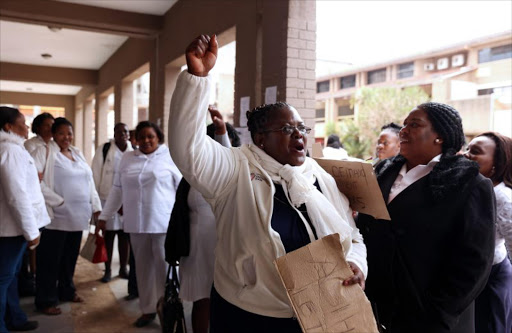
(146, 188)
(103, 171)
(46, 165)
(241, 195)
(22, 209)
(34, 143)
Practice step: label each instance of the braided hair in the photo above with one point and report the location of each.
(258, 117)
(446, 122)
(395, 128)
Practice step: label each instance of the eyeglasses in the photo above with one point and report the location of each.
(288, 130)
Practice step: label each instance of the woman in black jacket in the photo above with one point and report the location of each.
(429, 263)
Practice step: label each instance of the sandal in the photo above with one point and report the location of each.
(51, 311)
(77, 299)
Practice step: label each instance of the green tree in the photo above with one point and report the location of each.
(379, 106)
(353, 141)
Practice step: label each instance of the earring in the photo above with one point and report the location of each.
(261, 146)
(437, 140)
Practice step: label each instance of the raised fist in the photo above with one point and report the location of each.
(201, 55)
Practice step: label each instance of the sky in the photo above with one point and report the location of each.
(356, 33)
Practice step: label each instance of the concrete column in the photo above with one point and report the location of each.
(301, 61)
(78, 125)
(87, 130)
(124, 103)
(101, 120)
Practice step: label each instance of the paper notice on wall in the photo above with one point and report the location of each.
(271, 95)
(313, 277)
(244, 107)
(358, 182)
(244, 134)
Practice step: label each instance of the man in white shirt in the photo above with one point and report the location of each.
(104, 166)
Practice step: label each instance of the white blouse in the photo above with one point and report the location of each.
(72, 182)
(503, 222)
(145, 186)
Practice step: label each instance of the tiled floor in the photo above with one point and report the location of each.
(104, 310)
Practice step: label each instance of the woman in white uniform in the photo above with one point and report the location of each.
(22, 212)
(196, 269)
(146, 188)
(42, 128)
(71, 199)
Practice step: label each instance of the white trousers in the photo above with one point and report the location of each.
(151, 268)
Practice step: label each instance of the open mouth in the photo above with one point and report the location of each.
(299, 147)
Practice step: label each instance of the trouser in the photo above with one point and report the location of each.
(56, 260)
(228, 318)
(122, 248)
(11, 253)
(493, 307)
(151, 268)
(132, 276)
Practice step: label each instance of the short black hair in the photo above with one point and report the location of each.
(119, 124)
(8, 115)
(446, 122)
(232, 133)
(60, 121)
(333, 141)
(258, 117)
(38, 121)
(502, 160)
(144, 124)
(392, 127)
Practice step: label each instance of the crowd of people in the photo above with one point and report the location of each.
(440, 264)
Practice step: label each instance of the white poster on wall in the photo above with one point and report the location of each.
(244, 107)
(271, 95)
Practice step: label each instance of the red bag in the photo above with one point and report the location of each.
(100, 254)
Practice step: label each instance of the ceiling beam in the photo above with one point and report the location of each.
(45, 74)
(81, 17)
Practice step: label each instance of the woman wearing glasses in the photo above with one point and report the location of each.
(268, 199)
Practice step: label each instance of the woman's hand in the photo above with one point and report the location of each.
(220, 126)
(201, 55)
(101, 225)
(34, 243)
(357, 278)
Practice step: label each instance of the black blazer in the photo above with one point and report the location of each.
(428, 264)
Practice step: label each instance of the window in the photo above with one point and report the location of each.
(322, 86)
(405, 70)
(483, 92)
(345, 110)
(348, 82)
(495, 53)
(376, 76)
(320, 113)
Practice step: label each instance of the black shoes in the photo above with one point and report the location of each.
(106, 277)
(123, 274)
(28, 326)
(145, 320)
(131, 297)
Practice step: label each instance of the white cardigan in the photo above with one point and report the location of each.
(46, 165)
(34, 143)
(241, 195)
(22, 209)
(103, 170)
(145, 186)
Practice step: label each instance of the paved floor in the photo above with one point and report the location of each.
(104, 309)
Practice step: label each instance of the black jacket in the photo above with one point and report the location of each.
(428, 264)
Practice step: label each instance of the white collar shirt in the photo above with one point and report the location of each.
(406, 178)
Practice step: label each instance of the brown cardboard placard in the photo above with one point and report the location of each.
(313, 277)
(357, 180)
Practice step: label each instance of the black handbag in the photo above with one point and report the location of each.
(170, 307)
(177, 240)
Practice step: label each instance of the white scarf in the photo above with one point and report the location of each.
(298, 185)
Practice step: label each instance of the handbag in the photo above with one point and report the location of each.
(100, 253)
(94, 249)
(177, 240)
(169, 307)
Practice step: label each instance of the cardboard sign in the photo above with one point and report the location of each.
(313, 277)
(357, 180)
